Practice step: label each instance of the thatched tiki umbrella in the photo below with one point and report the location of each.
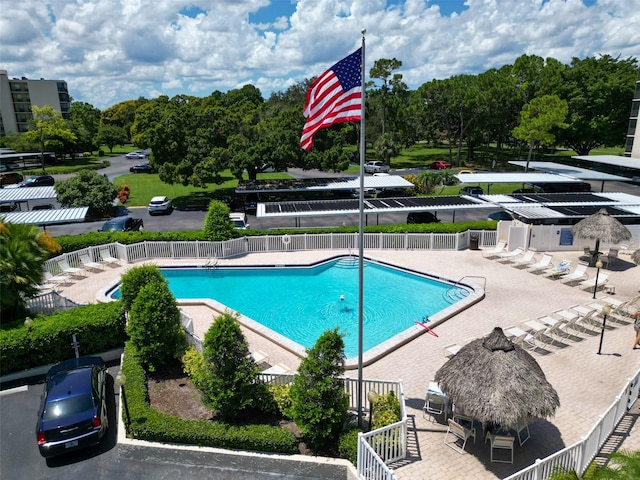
(635, 257)
(602, 227)
(497, 382)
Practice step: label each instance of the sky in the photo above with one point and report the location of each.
(109, 51)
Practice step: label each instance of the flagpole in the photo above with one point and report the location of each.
(361, 238)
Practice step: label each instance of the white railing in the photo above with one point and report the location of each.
(579, 455)
(187, 325)
(49, 302)
(276, 243)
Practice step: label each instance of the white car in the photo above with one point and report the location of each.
(135, 156)
(376, 166)
(160, 205)
(239, 220)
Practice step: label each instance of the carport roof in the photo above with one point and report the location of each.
(47, 217)
(319, 184)
(512, 177)
(569, 171)
(27, 194)
(614, 160)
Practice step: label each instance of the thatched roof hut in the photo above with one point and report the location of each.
(497, 382)
(602, 227)
(635, 257)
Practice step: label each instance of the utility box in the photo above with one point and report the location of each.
(474, 240)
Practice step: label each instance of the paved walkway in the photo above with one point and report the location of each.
(587, 383)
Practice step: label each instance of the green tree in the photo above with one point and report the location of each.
(537, 120)
(231, 384)
(85, 121)
(154, 326)
(23, 251)
(217, 225)
(122, 115)
(383, 70)
(134, 279)
(49, 130)
(598, 92)
(386, 147)
(111, 135)
(87, 189)
(319, 400)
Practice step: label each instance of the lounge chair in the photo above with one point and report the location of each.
(541, 265)
(501, 442)
(434, 405)
(278, 368)
(106, 257)
(602, 279)
(525, 260)
(66, 268)
(499, 248)
(259, 357)
(88, 263)
(507, 256)
(519, 336)
(537, 329)
(578, 275)
(561, 269)
(459, 433)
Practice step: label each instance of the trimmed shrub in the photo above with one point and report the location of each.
(217, 225)
(193, 365)
(146, 423)
(98, 328)
(386, 411)
(348, 444)
(231, 372)
(154, 326)
(135, 279)
(319, 400)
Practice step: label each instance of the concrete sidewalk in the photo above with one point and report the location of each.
(587, 383)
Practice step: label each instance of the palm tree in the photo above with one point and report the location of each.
(23, 251)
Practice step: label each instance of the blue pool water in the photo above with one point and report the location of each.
(303, 302)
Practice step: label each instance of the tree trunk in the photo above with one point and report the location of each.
(526, 168)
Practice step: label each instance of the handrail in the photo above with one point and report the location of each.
(458, 282)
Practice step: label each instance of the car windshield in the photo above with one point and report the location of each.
(113, 227)
(67, 406)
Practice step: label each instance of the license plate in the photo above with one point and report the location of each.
(71, 444)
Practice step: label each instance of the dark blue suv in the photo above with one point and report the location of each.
(73, 408)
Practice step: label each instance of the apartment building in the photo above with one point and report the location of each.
(18, 95)
(632, 146)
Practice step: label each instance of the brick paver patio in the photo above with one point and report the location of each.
(587, 383)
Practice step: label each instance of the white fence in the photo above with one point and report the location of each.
(50, 302)
(579, 455)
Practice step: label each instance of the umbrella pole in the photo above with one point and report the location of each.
(596, 253)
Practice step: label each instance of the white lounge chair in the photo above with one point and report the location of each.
(88, 263)
(66, 268)
(525, 260)
(542, 264)
(278, 368)
(519, 336)
(560, 270)
(259, 357)
(578, 275)
(106, 257)
(507, 256)
(499, 248)
(602, 279)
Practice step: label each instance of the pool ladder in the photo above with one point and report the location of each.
(455, 293)
(211, 263)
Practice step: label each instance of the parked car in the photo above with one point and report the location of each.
(500, 215)
(239, 220)
(141, 168)
(160, 205)
(122, 224)
(38, 181)
(376, 166)
(439, 165)
(472, 191)
(43, 206)
(422, 217)
(135, 156)
(9, 207)
(73, 407)
(10, 178)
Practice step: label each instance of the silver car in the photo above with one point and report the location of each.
(160, 205)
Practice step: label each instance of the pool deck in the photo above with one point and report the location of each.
(587, 383)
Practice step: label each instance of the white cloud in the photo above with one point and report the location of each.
(114, 50)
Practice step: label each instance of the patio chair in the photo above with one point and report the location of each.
(508, 256)
(434, 405)
(610, 258)
(578, 275)
(106, 257)
(603, 278)
(66, 268)
(459, 433)
(259, 357)
(522, 431)
(501, 443)
(543, 264)
(88, 263)
(519, 336)
(524, 261)
(538, 331)
(499, 248)
(278, 368)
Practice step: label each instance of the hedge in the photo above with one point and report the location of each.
(98, 328)
(147, 423)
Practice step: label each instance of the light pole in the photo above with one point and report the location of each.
(606, 310)
(120, 380)
(372, 396)
(598, 267)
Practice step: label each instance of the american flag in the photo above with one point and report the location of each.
(334, 97)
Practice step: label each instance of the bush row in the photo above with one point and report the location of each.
(146, 423)
(70, 243)
(47, 340)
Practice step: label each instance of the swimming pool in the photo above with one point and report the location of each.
(302, 302)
